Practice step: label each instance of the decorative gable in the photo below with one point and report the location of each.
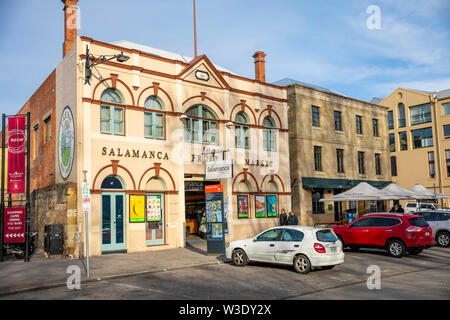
(200, 70)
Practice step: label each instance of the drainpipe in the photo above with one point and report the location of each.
(432, 98)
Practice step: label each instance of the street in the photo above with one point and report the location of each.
(424, 276)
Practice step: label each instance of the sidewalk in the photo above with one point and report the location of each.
(18, 276)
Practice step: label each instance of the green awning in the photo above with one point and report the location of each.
(324, 183)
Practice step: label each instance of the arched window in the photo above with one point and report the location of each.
(112, 118)
(269, 134)
(401, 115)
(154, 120)
(201, 125)
(112, 183)
(242, 139)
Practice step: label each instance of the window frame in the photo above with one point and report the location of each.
(361, 162)
(317, 206)
(401, 115)
(394, 172)
(113, 108)
(153, 114)
(242, 132)
(318, 158)
(202, 123)
(269, 143)
(315, 113)
(340, 160)
(422, 117)
(392, 146)
(422, 139)
(337, 120)
(401, 135)
(431, 164)
(358, 120)
(375, 127)
(391, 124)
(378, 164)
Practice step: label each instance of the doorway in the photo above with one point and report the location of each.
(113, 216)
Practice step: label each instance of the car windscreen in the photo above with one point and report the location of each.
(326, 236)
(418, 222)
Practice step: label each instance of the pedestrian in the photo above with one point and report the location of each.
(292, 220)
(400, 209)
(283, 218)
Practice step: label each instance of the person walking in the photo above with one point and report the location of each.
(283, 218)
(292, 220)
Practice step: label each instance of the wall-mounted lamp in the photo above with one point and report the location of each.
(183, 117)
(92, 61)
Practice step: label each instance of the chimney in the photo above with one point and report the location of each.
(260, 66)
(70, 24)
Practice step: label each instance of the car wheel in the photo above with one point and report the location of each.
(443, 239)
(328, 267)
(396, 248)
(239, 258)
(302, 264)
(415, 251)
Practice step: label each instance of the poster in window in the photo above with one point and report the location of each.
(214, 211)
(154, 208)
(242, 201)
(260, 206)
(217, 231)
(271, 205)
(137, 208)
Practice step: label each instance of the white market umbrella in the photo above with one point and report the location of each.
(420, 192)
(397, 193)
(361, 192)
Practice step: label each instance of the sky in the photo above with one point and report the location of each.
(342, 45)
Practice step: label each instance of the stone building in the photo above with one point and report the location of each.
(335, 142)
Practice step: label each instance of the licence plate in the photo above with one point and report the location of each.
(427, 233)
(333, 249)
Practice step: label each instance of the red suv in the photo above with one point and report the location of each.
(396, 232)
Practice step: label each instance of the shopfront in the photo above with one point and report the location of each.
(146, 139)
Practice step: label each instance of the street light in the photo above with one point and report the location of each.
(92, 61)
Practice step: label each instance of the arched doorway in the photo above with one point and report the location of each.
(113, 215)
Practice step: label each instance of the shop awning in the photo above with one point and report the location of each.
(324, 183)
(361, 192)
(420, 192)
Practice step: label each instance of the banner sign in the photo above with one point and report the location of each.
(14, 230)
(242, 200)
(271, 205)
(137, 208)
(16, 155)
(260, 206)
(215, 219)
(219, 170)
(86, 197)
(154, 208)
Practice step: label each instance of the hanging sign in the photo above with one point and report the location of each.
(14, 231)
(16, 155)
(137, 208)
(154, 208)
(219, 170)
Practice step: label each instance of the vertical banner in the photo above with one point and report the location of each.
(16, 155)
(215, 219)
(14, 230)
(260, 206)
(242, 209)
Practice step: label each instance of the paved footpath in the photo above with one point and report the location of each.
(18, 276)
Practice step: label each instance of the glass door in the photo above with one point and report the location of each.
(154, 219)
(113, 226)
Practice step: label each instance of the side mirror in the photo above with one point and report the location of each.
(349, 225)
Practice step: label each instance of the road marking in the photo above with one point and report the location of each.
(149, 289)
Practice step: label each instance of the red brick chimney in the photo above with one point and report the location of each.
(260, 66)
(70, 24)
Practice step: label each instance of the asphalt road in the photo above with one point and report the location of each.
(425, 276)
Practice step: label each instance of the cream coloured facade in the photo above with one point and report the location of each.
(420, 138)
(116, 144)
(327, 133)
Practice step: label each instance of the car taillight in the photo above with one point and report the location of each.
(413, 229)
(319, 248)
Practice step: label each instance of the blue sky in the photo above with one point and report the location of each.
(323, 42)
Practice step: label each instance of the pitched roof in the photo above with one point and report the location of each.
(161, 53)
(287, 82)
